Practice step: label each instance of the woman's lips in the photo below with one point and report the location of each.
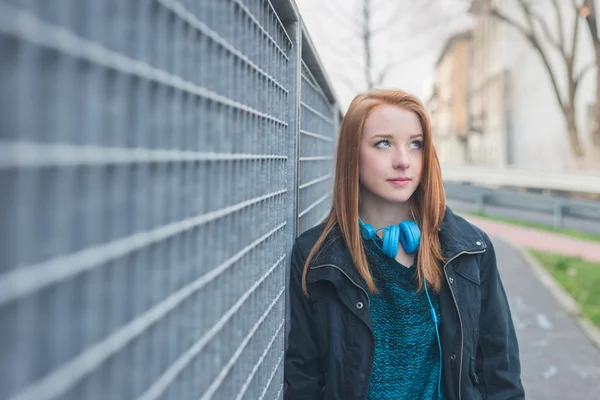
(399, 181)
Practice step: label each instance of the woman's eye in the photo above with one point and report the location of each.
(383, 143)
(417, 144)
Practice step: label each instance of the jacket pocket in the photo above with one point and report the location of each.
(473, 372)
(475, 380)
(468, 275)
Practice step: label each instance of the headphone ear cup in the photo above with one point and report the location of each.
(366, 231)
(390, 241)
(410, 236)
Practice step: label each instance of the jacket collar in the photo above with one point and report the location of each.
(457, 235)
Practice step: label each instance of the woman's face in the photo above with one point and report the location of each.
(391, 155)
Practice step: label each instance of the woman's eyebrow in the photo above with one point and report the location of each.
(388, 136)
(383, 136)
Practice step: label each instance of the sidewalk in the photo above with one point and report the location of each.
(558, 361)
(530, 238)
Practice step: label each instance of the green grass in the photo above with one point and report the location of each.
(548, 228)
(580, 278)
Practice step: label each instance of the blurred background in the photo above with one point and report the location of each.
(508, 83)
(159, 157)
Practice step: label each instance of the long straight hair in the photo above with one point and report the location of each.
(428, 202)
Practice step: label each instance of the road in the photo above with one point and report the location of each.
(558, 361)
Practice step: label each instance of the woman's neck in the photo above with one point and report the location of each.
(381, 215)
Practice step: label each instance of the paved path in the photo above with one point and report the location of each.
(557, 359)
(541, 240)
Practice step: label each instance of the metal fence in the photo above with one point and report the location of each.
(318, 129)
(157, 158)
(558, 212)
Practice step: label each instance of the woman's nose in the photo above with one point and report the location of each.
(401, 160)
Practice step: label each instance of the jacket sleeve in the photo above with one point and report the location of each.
(302, 366)
(498, 352)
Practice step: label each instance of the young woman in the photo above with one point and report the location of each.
(394, 296)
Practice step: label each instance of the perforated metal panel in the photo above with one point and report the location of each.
(147, 172)
(318, 134)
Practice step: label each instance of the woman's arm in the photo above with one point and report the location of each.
(498, 352)
(302, 369)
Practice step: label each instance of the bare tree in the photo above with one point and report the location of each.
(536, 30)
(367, 27)
(588, 11)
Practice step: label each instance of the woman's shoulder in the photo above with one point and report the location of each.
(456, 227)
(308, 239)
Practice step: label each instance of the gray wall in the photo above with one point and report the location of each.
(157, 159)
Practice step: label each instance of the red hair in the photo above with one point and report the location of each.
(428, 202)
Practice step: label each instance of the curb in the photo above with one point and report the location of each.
(563, 298)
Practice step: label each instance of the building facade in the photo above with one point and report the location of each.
(514, 117)
(449, 102)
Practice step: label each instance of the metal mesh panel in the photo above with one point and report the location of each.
(317, 143)
(144, 173)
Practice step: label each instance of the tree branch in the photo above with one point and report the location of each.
(582, 73)
(366, 35)
(559, 44)
(575, 32)
(532, 16)
(591, 20)
(523, 30)
(567, 102)
(533, 40)
(559, 23)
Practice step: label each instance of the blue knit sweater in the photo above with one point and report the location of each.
(407, 361)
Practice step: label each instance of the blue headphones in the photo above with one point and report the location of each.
(409, 235)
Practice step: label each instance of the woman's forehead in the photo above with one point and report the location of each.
(393, 121)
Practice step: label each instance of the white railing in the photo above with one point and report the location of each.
(569, 181)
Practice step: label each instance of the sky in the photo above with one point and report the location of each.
(412, 34)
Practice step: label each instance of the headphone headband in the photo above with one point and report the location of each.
(406, 233)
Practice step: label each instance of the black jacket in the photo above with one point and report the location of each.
(331, 343)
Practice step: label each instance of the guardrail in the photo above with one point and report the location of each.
(560, 212)
(579, 182)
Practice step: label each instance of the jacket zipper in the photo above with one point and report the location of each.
(347, 276)
(459, 317)
(453, 298)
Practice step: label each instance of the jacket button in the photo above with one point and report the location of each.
(359, 305)
(453, 357)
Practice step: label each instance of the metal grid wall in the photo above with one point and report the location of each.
(145, 177)
(318, 133)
